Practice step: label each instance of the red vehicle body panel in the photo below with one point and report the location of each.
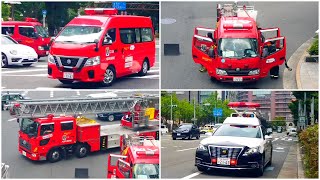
(32, 42)
(117, 54)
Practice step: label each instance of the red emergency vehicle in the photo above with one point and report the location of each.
(102, 46)
(139, 159)
(52, 137)
(237, 50)
(29, 32)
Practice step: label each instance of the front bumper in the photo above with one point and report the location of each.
(32, 156)
(233, 78)
(22, 59)
(86, 74)
(180, 135)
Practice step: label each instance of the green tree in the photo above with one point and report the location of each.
(5, 11)
(165, 105)
(279, 121)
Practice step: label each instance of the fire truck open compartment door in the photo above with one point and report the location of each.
(203, 46)
(113, 162)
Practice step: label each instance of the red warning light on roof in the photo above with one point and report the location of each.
(28, 19)
(101, 11)
(243, 104)
(237, 26)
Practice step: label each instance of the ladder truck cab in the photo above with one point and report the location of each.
(241, 143)
(139, 158)
(238, 50)
(45, 134)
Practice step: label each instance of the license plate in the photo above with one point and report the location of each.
(178, 134)
(68, 75)
(223, 161)
(24, 153)
(237, 79)
(30, 58)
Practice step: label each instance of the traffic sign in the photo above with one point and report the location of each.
(217, 112)
(44, 12)
(302, 119)
(121, 6)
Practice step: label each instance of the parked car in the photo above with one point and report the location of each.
(110, 116)
(13, 53)
(186, 131)
(206, 128)
(164, 129)
(292, 132)
(7, 99)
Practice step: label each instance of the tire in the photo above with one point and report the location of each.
(4, 60)
(174, 138)
(198, 137)
(202, 169)
(26, 65)
(144, 68)
(54, 155)
(82, 150)
(63, 81)
(270, 161)
(259, 172)
(190, 136)
(111, 118)
(274, 72)
(109, 76)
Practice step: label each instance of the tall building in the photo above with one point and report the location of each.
(272, 103)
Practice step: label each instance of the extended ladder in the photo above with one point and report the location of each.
(78, 106)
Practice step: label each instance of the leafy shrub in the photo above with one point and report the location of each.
(309, 141)
(313, 50)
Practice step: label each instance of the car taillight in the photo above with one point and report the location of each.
(233, 162)
(214, 160)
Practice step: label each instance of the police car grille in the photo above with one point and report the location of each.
(231, 152)
(25, 145)
(72, 62)
(233, 72)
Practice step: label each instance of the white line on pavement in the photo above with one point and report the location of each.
(51, 94)
(78, 93)
(13, 119)
(283, 139)
(163, 147)
(146, 77)
(21, 71)
(192, 175)
(289, 139)
(186, 149)
(277, 151)
(275, 139)
(279, 148)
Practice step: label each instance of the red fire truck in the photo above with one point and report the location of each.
(46, 135)
(102, 46)
(237, 50)
(29, 32)
(139, 158)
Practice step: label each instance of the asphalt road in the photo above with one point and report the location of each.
(35, 77)
(298, 22)
(21, 167)
(178, 156)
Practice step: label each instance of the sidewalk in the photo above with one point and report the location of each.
(293, 165)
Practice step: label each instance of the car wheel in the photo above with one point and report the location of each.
(144, 68)
(111, 117)
(109, 76)
(4, 62)
(81, 150)
(26, 65)
(190, 136)
(270, 161)
(63, 81)
(198, 136)
(259, 172)
(174, 138)
(54, 155)
(201, 168)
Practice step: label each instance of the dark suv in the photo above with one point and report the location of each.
(186, 131)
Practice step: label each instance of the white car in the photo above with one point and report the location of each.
(13, 53)
(292, 132)
(164, 129)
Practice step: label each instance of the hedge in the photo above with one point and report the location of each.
(309, 140)
(313, 50)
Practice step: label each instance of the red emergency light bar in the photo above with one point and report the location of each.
(28, 19)
(237, 26)
(149, 153)
(101, 11)
(243, 104)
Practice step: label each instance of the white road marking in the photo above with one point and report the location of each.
(279, 148)
(51, 94)
(186, 149)
(78, 93)
(275, 139)
(163, 147)
(277, 151)
(192, 175)
(146, 77)
(13, 119)
(21, 71)
(289, 139)
(283, 139)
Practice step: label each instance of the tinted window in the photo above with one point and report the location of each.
(186, 126)
(127, 36)
(138, 35)
(27, 31)
(66, 126)
(146, 34)
(238, 131)
(7, 30)
(112, 34)
(46, 129)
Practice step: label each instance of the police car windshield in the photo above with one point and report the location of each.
(5, 40)
(146, 171)
(29, 127)
(79, 34)
(238, 131)
(41, 31)
(238, 48)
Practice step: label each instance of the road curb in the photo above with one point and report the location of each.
(300, 163)
(295, 63)
(289, 168)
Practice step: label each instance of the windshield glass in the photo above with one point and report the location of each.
(29, 127)
(7, 40)
(146, 171)
(42, 32)
(186, 126)
(79, 34)
(238, 48)
(238, 131)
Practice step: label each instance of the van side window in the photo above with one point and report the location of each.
(66, 126)
(138, 35)
(27, 31)
(146, 34)
(127, 36)
(46, 129)
(110, 37)
(7, 30)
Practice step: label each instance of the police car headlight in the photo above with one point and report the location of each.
(221, 72)
(251, 151)
(93, 61)
(202, 147)
(14, 52)
(51, 59)
(254, 72)
(41, 48)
